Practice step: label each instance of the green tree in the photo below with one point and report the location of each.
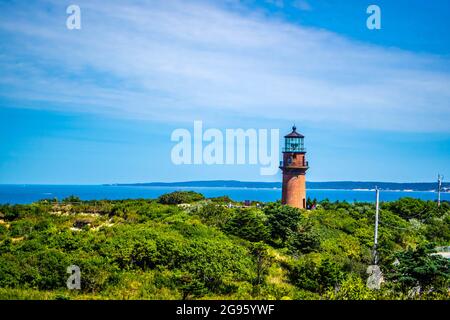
(282, 221)
(420, 268)
(263, 261)
(438, 230)
(248, 224)
(304, 240)
(189, 285)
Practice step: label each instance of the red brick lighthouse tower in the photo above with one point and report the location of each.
(294, 166)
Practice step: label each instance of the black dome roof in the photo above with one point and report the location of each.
(294, 133)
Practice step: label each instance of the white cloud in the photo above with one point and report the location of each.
(277, 3)
(301, 5)
(172, 60)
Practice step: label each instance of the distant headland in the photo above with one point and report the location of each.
(339, 185)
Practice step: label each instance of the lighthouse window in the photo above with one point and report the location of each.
(294, 144)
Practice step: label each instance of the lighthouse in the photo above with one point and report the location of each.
(294, 166)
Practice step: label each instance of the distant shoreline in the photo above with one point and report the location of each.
(262, 188)
(310, 185)
(331, 185)
(209, 187)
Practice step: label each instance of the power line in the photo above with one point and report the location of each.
(395, 227)
(377, 210)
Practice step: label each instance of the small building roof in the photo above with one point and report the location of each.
(294, 133)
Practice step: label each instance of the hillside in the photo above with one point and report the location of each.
(182, 246)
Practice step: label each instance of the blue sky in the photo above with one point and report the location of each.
(98, 105)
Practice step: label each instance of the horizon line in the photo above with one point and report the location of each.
(218, 180)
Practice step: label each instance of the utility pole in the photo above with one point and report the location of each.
(375, 275)
(377, 210)
(439, 189)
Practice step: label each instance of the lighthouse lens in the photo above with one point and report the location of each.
(294, 145)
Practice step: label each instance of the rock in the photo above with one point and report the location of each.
(375, 277)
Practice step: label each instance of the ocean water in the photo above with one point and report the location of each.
(22, 194)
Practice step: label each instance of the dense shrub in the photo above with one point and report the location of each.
(305, 240)
(248, 224)
(71, 199)
(215, 215)
(316, 276)
(409, 208)
(354, 288)
(9, 213)
(282, 221)
(420, 268)
(179, 197)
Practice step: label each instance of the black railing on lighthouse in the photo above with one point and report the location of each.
(294, 149)
(304, 164)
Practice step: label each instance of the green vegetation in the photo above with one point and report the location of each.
(179, 197)
(183, 246)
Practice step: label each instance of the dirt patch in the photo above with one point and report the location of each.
(6, 224)
(18, 239)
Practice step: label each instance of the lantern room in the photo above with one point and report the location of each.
(294, 142)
